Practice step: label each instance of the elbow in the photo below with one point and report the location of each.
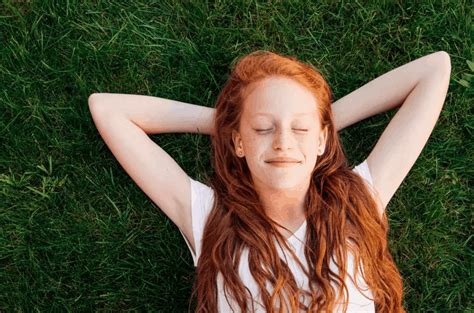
(93, 98)
(93, 102)
(443, 63)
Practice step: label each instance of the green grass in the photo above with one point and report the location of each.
(76, 233)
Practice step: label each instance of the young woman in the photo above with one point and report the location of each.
(284, 224)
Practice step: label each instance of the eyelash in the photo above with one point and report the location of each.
(263, 130)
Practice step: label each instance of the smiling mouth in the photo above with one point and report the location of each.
(283, 164)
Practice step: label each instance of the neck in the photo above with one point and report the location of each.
(286, 207)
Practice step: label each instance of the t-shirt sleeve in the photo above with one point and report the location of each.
(202, 199)
(363, 170)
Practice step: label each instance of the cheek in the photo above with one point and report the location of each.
(310, 151)
(258, 145)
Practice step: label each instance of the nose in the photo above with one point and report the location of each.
(283, 140)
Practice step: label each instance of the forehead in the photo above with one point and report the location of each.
(279, 97)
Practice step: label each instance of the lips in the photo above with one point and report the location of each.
(282, 160)
(283, 164)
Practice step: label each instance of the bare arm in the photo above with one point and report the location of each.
(158, 115)
(422, 86)
(124, 121)
(383, 93)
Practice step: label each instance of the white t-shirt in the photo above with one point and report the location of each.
(202, 198)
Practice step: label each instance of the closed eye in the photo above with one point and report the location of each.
(264, 130)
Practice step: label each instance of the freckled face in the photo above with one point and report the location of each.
(280, 119)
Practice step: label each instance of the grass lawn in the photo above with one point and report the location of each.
(77, 234)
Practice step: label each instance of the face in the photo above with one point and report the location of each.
(280, 119)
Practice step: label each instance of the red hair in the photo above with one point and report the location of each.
(340, 211)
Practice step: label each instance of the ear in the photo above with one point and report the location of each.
(237, 140)
(323, 135)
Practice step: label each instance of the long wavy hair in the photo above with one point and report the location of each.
(340, 212)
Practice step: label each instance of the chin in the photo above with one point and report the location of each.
(285, 184)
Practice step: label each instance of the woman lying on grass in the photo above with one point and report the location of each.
(284, 224)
